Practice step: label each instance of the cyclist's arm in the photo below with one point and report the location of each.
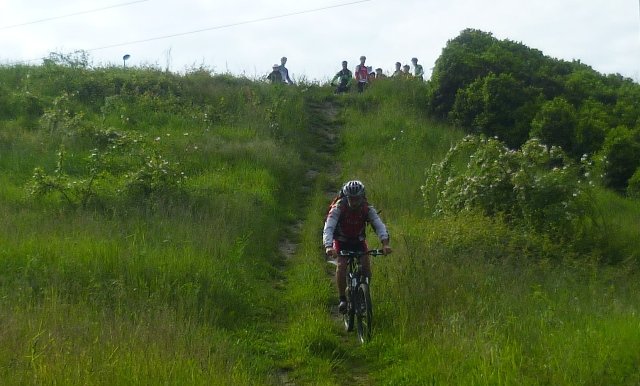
(330, 226)
(378, 225)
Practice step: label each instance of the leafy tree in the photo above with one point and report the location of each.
(621, 156)
(555, 124)
(626, 111)
(591, 128)
(633, 189)
(459, 65)
(496, 105)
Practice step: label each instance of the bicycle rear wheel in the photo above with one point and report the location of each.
(364, 313)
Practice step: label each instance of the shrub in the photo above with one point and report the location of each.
(555, 124)
(633, 188)
(621, 157)
(537, 186)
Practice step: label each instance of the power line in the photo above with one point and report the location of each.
(71, 14)
(228, 25)
(216, 27)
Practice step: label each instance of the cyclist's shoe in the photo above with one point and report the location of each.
(342, 307)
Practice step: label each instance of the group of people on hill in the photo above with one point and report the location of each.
(364, 74)
(280, 73)
(344, 79)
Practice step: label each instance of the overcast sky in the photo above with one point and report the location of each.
(246, 37)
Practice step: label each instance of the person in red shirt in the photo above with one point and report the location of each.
(344, 228)
(362, 74)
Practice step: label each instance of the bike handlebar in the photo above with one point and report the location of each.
(372, 252)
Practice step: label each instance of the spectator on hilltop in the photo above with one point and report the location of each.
(344, 78)
(398, 72)
(284, 72)
(275, 76)
(418, 71)
(379, 74)
(406, 73)
(362, 74)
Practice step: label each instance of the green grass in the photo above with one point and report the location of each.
(189, 286)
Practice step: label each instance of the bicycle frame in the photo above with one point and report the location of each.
(359, 307)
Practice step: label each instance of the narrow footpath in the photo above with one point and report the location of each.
(347, 369)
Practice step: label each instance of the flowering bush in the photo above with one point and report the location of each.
(537, 186)
(122, 165)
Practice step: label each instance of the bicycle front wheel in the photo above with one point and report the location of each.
(364, 313)
(349, 316)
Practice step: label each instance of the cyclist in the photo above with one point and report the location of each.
(344, 228)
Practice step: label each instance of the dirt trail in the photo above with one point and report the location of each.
(327, 129)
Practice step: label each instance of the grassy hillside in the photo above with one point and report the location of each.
(145, 215)
(147, 250)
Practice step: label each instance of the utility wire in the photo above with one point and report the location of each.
(71, 14)
(217, 27)
(228, 25)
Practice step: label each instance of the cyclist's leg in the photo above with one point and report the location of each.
(341, 270)
(366, 262)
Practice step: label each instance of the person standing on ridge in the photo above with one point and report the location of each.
(345, 227)
(344, 78)
(406, 73)
(418, 71)
(275, 77)
(398, 72)
(362, 74)
(284, 72)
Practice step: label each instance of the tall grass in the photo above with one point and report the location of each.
(188, 286)
(470, 300)
(147, 290)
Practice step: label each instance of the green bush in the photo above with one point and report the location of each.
(633, 188)
(537, 186)
(555, 124)
(496, 105)
(620, 156)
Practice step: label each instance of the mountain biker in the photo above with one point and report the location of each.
(344, 228)
(344, 78)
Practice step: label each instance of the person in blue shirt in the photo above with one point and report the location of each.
(284, 72)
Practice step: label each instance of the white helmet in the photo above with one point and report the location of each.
(353, 188)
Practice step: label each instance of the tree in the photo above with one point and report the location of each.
(591, 128)
(496, 105)
(555, 124)
(459, 65)
(621, 156)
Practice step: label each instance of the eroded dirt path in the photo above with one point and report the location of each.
(353, 370)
